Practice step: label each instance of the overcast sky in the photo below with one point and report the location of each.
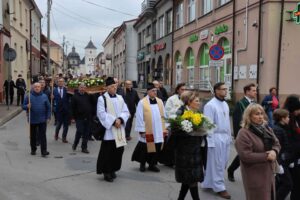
(80, 20)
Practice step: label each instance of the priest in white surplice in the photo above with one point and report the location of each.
(113, 113)
(218, 143)
(150, 125)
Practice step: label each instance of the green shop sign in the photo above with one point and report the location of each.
(221, 29)
(193, 38)
(296, 14)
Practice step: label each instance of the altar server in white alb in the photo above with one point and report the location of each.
(150, 125)
(218, 142)
(113, 113)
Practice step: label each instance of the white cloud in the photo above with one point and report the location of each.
(79, 20)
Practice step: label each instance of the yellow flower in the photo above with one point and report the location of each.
(187, 114)
(197, 119)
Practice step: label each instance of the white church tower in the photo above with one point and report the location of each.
(90, 55)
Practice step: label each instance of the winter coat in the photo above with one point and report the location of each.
(81, 106)
(268, 106)
(40, 109)
(132, 99)
(257, 172)
(188, 158)
(285, 156)
(21, 86)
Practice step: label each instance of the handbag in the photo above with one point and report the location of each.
(97, 129)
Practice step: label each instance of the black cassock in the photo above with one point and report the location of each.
(109, 158)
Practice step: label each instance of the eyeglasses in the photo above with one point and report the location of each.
(153, 90)
(223, 89)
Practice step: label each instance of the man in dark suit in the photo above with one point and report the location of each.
(131, 98)
(250, 94)
(21, 88)
(61, 99)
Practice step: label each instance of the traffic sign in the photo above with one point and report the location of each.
(216, 52)
(9, 54)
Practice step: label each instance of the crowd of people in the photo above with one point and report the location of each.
(267, 136)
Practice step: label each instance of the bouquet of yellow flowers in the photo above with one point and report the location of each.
(191, 123)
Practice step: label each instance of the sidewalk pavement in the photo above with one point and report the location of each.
(7, 114)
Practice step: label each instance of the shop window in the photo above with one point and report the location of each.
(178, 62)
(190, 67)
(204, 66)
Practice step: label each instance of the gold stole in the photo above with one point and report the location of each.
(148, 122)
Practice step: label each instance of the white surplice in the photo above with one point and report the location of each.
(156, 122)
(172, 105)
(108, 119)
(218, 143)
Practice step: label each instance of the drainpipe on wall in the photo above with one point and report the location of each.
(233, 46)
(279, 46)
(259, 46)
(30, 36)
(172, 48)
(246, 35)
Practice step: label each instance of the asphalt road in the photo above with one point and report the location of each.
(68, 175)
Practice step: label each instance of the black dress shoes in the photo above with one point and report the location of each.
(85, 151)
(142, 168)
(33, 153)
(108, 178)
(153, 168)
(113, 175)
(46, 153)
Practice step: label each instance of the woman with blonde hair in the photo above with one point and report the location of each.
(188, 150)
(257, 147)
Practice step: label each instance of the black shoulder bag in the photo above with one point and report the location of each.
(97, 129)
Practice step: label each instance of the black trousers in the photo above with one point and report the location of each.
(128, 126)
(295, 173)
(284, 184)
(235, 164)
(141, 155)
(11, 98)
(40, 130)
(20, 96)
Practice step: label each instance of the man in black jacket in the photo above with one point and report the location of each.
(21, 88)
(9, 86)
(131, 98)
(250, 94)
(81, 110)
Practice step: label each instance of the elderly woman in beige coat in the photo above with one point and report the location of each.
(257, 147)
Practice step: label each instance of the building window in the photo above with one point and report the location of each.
(161, 22)
(179, 15)
(144, 37)
(222, 2)
(140, 40)
(204, 65)
(190, 67)
(169, 21)
(154, 31)
(207, 6)
(191, 10)
(148, 31)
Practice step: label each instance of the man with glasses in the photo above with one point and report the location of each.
(218, 142)
(113, 114)
(150, 125)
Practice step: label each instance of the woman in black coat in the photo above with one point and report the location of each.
(188, 159)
